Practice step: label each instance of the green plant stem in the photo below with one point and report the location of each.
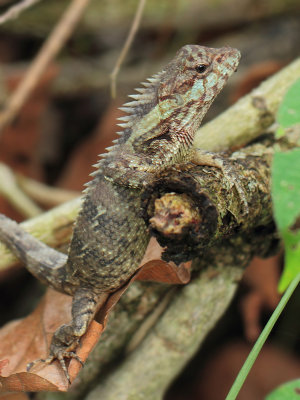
(242, 375)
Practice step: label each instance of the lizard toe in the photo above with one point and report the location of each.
(61, 357)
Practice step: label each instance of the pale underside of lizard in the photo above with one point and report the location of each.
(109, 237)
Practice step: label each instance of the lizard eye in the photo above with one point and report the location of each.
(201, 68)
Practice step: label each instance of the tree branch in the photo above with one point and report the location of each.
(192, 210)
(53, 228)
(192, 313)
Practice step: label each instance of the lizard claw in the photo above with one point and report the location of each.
(242, 196)
(234, 181)
(60, 357)
(203, 157)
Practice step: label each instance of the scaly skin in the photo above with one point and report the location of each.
(110, 238)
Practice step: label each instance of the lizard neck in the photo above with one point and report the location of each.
(154, 136)
(161, 121)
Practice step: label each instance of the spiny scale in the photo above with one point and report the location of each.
(109, 236)
(146, 95)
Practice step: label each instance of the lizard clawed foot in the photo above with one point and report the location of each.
(66, 338)
(60, 356)
(232, 177)
(62, 347)
(202, 157)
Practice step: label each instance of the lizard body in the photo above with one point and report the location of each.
(109, 237)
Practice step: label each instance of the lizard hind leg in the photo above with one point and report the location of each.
(203, 157)
(66, 338)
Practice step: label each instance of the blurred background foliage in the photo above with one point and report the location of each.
(70, 119)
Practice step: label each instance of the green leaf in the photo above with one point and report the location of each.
(280, 132)
(287, 391)
(286, 188)
(292, 259)
(286, 202)
(289, 110)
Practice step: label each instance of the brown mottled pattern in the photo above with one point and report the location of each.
(109, 237)
(181, 105)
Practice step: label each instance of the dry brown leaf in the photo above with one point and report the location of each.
(161, 271)
(28, 339)
(154, 269)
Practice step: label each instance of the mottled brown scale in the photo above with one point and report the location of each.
(116, 237)
(109, 237)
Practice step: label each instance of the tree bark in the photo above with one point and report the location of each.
(194, 209)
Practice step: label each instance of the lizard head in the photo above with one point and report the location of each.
(193, 79)
(162, 120)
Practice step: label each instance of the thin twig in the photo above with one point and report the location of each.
(14, 194)
(14, 11)
(49, 50)
(45, 195)
(134, 27)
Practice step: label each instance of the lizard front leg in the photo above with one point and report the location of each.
(202, 157)
(66, 338)
(130, 170)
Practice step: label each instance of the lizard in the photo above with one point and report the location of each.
(109, 236)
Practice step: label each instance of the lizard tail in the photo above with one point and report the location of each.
(45, 263)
